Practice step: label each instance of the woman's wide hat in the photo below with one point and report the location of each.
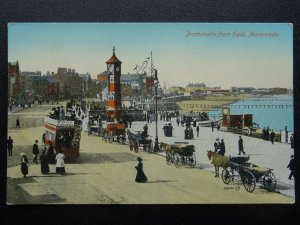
(139, 159)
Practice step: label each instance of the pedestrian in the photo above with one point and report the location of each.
(60, 163)
(292, 140)
(17, 123)
(9, 145)
(136, 146)
(50, 153)
(217, 145)
(35, 151)
(286, 134)
(44, 162)
(222, 148)
(145, 131)
(241, 146)
(186, 133)
(140, 175)
(24, 164)
(292, 167)
(191, 133)
(197, 130)
(130, 123)
(212, 126)
(130, 145)
(272, 136)
(43, 138)
(267, 133)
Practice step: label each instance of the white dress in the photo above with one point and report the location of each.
(60, 160)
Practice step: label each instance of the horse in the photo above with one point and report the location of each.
(165, 146)
(218, 161)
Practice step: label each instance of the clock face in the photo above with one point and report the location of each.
(226, 111)
(110, 67)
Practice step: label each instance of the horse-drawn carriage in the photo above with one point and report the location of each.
(180, 153)
(111, 136)
(238, 167)
(139, 139)
(249, 174)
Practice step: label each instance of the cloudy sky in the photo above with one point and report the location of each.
(226, 55)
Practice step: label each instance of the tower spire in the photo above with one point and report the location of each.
(114, 50)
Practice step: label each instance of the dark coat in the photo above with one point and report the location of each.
(292, 164)
(222, 149)
(10, 143)
(44, 163)
(217, 146)
(140, 175)
(24, 165)
(35, 149)
(241, 146)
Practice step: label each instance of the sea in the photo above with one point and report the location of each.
(276, 111)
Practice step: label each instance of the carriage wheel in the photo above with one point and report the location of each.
(249, 181)
(192, 160)
(226, 177)
(269, 181)
(177, 160)
(168, 158)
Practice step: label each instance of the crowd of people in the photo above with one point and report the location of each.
(219, 147)
(48, 156)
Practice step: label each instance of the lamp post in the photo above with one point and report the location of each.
(156, 147)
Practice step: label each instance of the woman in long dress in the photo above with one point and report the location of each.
(24, 164)
(140, 175)
(60, 163)
(44, 163)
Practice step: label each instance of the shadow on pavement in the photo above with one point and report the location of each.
(16, 195)
(161, 181)
(103, 158)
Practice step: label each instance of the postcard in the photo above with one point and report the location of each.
(150, 113)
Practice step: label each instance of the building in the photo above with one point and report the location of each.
(71, 85)
(246, 90)
(14, 80)
(114, 104)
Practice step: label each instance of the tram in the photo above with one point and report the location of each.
(64, 135)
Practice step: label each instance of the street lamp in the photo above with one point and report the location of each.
(156, 147)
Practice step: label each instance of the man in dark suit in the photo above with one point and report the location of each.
(9, 145)
(241, 146)
(292, 167)
(35, 151)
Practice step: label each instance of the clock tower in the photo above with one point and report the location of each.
(114, 104)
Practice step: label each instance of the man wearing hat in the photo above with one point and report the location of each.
(140, 175)
(241, 145)
(292, 167)
(35, 151)
(217, 145)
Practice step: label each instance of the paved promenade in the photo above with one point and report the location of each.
(105, 173)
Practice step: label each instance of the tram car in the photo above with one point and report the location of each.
(64, 135)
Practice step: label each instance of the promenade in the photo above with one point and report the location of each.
(105, 173)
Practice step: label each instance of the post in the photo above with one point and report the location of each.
(156, 147)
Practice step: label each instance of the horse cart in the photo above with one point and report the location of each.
(180, 153)
(112, 133)
(138, 139)
(249, 174)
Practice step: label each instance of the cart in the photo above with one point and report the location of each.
(145, 142)
(249, 174)
(180, 153)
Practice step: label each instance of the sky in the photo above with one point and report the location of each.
(217, 54)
